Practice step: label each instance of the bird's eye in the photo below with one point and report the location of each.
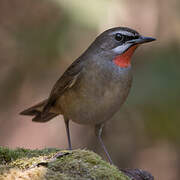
(118, 37)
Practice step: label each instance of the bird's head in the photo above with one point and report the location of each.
(118, 44)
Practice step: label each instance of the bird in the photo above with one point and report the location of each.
(95, 85)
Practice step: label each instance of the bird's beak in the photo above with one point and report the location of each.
(141, 40)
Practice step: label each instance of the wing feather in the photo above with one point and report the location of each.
(66, 81)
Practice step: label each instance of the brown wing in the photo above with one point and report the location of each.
(66, 81)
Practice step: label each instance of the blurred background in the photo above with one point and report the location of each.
(39, 39)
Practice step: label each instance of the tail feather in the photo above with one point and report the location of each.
(36, 111)
(47, 117)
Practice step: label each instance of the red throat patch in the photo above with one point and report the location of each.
(124, 60)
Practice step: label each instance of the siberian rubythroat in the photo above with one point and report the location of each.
(95, 85)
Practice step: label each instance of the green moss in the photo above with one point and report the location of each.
(76, 164)
(7, 155)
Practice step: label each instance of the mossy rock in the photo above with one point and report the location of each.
(56, 165)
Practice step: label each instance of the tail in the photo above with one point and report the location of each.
(36, 111)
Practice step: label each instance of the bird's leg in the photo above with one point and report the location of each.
(98, 132)
(67, 132)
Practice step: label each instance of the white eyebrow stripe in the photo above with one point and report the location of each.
(126, 33)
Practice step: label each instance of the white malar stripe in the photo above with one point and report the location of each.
(120, 49)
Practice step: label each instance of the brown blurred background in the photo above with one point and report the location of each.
(39, 39)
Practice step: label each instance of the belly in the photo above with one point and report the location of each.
(95, 99)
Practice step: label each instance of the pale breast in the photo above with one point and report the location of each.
(98, 94)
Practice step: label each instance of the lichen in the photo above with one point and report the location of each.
(45, 164)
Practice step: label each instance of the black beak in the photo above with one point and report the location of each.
(141, 40)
